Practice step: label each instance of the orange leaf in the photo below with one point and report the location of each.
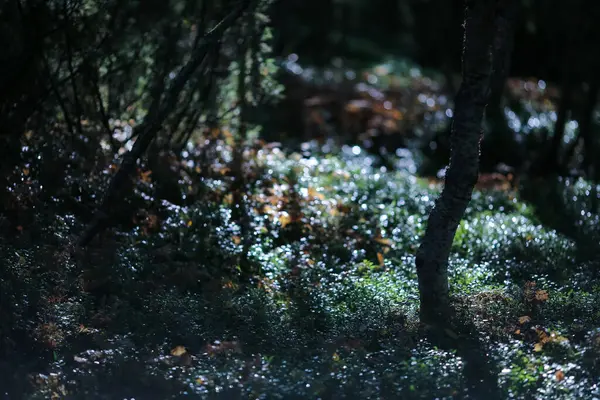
(284, 219)
(145, 176)
(541, 295)
(384, 241)
(312, 192)
(224, 170)
(559, 375)
(380, 259)
(543, 336)
(237, 239)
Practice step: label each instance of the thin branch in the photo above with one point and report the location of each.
(153, 122)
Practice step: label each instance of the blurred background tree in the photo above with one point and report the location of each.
(553, 44)
(82, 75)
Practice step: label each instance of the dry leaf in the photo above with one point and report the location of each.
(224, 170)
(237, 239)
(380, 259)
(178, 351)
(538, 347)
(541, 295)
(559, 375)
(312, 192)
(384, 241)
(145, 176)
(200, 381)
(284, 219)
(524, 319)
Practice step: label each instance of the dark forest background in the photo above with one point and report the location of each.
(226, 198)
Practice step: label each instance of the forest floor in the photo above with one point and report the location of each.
(300, 285)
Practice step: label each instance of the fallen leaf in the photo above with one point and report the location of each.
(538, 347)
(541, 295)
(178, 351)
(145, 176)
(380, 259)
(524, 319)
(200, 381)
(312, 192)
(559, 375)
(384, 241)
(284, 219)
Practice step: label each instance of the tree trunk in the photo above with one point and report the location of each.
(552, 162)
(432, 257)
(585, 129)
(501, 63)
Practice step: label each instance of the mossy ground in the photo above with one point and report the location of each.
(324, 305)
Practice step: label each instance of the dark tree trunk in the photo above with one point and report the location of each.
(585, 130)
(500, 141)
(503, 46)
(432, 257)
(552, 162)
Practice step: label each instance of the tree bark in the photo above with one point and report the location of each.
(503, 46)
(481, 19)
(585, 130)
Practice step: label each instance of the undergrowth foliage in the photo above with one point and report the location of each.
(237, 269)
(331, 309)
